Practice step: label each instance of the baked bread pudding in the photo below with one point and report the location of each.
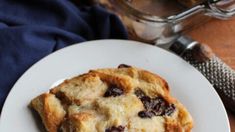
(123, 99)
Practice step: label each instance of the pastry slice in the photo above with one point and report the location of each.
(123, 99)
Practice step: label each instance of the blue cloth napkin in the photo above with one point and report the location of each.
(32, 29)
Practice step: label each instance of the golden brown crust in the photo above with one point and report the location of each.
(153, 78)
(50, 110)
(87, 109)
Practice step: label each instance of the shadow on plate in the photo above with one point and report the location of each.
(38, 121)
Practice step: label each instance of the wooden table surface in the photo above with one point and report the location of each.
(220, 36)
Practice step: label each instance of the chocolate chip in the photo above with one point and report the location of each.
(169, 110)
(139, 93)
(159, 106)
(146, 114)
(158, 100)
(115, 129)
(154, 106)
(147, 102)
(123, 66)
(113, 91)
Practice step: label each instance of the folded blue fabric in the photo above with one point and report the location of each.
(32, 29)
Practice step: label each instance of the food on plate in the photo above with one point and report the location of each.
(123, 99)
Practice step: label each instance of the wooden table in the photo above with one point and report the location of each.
(220, 36)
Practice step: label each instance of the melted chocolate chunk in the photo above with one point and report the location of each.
(123, 66)
(154, 106)
(169, 110)
(139, 93)
(115, 129)
(113, 91)
(146, 114)
(147, 101)
(159, 106)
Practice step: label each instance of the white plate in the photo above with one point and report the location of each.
(186, 83)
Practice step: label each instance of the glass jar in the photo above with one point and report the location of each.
(162, 21)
